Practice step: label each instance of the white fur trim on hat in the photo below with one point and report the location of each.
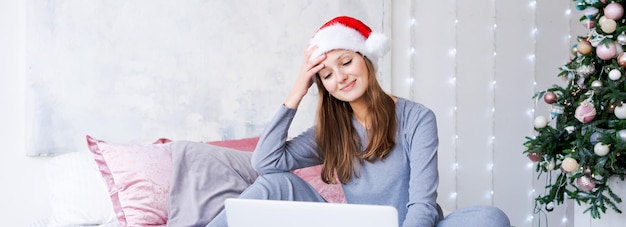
(377, 45)
(339, 36)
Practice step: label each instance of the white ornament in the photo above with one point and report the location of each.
(541, 122)
(570, 129)
(601, 149)
(550, 206)
(596, 84)
(569, 165)
(622, 135)
(615, 74)
(620, 112)
(621, 40)
(550, 165)
(608, 26)
(602, 19)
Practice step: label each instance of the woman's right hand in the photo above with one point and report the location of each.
(305, 79)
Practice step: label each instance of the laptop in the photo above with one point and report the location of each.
(273, 213)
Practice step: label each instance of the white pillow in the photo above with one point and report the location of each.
(78, 193)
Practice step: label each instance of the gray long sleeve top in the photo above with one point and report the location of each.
(406, 179)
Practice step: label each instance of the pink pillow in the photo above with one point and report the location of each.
(245, 144)
(138, 179)
(331, 192)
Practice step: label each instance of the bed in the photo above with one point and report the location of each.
(165, 183)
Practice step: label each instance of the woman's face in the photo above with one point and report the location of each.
(344, 75)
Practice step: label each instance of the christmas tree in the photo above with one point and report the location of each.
(579, 145)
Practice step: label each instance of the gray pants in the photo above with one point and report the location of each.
(288, 186)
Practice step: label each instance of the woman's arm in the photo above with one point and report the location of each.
(422, 143)
(274, 153)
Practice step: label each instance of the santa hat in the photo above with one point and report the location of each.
(348, 33)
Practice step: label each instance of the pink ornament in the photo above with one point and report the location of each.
(606, 51)
(549, 97)
(585, 183)
(535, 157)
(614, 11)
(586, 112)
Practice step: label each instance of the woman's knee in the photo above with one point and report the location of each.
(495, 213)
(278, 178)
(495, 216)
(487, 216)
(282, 186)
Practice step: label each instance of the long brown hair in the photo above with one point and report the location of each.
(338, 142)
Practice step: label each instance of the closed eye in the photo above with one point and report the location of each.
(347, 62)
(325, 75)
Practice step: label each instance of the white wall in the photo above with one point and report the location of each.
(23, 190)
(140, 70)
(473, 65)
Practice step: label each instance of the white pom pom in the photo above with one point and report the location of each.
(377, 44)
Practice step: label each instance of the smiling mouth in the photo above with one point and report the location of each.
(349, 86)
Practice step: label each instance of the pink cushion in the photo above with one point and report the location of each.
(331, 192)
(138, 179)
(245, 144)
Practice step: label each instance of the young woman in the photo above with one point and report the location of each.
(382, 149)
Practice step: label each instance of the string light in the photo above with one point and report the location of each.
(532, 113)
(531, 58)
(413, 51)
(413, 22)
(456, 141)
(494, 33)
(531, 193)
(410, 81)
(453, 52)
(489, 194)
